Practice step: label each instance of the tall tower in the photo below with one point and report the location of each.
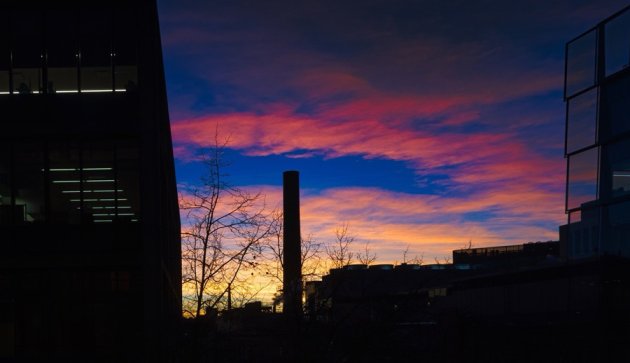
(597, 147)
(292, 255)
(90, 252)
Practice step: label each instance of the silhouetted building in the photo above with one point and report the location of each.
(597, 148)
(514, 256)
(89, 222)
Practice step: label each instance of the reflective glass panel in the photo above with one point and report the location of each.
(617, 43)
(581, 63)
(619, 156)
(582, 117)
(582, 184)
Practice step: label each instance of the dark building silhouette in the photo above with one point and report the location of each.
(89, 223)
(597, 148)
(292, 255)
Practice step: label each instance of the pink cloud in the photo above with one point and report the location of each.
(391, 221)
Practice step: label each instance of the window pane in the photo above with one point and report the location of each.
(96, 63)
(26, 44)
(65, 184)
(29, 183)
(618, 43)
(581, 125)
(5, 185)
(582, 185)
(99, 185)
(128, 184)
(61, 51)
(581, 58)
(619, 227)
(615, 106)
(125, 49)
(619, 156)
(4, 54)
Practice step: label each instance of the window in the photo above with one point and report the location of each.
(125, 50)
(582, 183)
(100, 188)
(26, 46)
(96, 51)
(619, 157)
(582, 120)
(5, 55)
(615, 107)
(6, 208)
(29, 183)
(65, 184)
(61, 52)
(581, 63)
(617, 42)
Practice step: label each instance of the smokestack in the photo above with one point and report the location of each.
(292, 255)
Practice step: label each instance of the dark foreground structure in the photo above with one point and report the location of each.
(90, 253)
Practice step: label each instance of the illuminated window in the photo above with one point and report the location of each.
(64, 175)
(100, 188)
(582, 118)
(582, 183)
(581, 63)
(617, 42)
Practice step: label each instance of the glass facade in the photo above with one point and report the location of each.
(597, 90)
(67, 51)
(69, 183)
(582, 121)
(581, 63)
(617, 44)
(582, 183)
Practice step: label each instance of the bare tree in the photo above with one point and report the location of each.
(224, 227)
(338, 251)
(367, 257)
(416, 259)
(310, 251)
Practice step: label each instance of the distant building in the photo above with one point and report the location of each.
(89, 223)
(513, 256)
(597, 148)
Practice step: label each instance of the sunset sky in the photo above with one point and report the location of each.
(418, 123)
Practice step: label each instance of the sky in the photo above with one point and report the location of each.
(422, 125)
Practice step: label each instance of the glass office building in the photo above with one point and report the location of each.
(89, 223)
(597, 148)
